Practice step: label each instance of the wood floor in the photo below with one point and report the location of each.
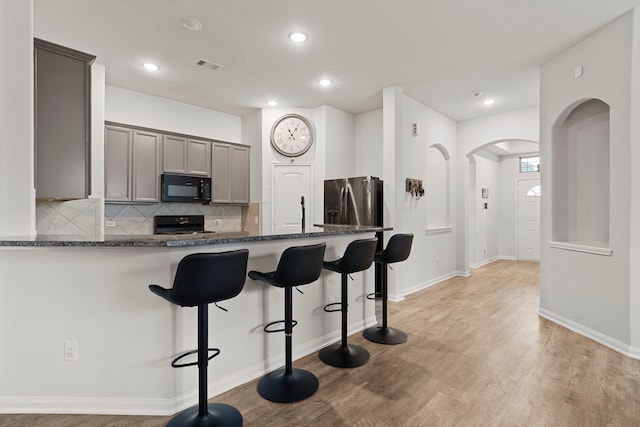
(477, 355)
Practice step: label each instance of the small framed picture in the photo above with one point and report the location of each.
(485, 193)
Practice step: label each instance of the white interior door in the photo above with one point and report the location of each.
(290, 183)
(529, 219)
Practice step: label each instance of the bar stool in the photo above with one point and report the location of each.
(397, 250)
(357, 257)
(202, 279)
(298, 265)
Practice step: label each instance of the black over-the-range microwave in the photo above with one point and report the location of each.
(185, 188)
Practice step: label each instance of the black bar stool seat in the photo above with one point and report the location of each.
(202, 279)
(357, 257)
(398, 249)
(299, 265)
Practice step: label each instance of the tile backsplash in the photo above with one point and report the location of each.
(130, 219)
(74, 219)
(81, 219)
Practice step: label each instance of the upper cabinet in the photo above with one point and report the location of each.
(186, 155)
(132, 164)
(62, 121)
(230, 173)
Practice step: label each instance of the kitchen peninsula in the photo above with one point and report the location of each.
(94, 294)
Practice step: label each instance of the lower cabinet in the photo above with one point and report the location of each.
(230, 165)
(132, 165)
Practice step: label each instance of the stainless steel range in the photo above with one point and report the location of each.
(179, 224)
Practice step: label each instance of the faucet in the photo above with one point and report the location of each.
(302, 204)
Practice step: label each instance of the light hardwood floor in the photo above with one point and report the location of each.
(477, 355)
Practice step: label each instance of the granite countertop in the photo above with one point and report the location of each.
(185, 240)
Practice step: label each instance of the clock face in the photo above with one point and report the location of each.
(292, 135)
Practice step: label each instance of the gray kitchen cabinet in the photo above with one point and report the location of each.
(132, 165)
(146, 166)
(174, 154)
(62, 95)
(199, 157)
(230, 168)
(185, 155)
(118, 143)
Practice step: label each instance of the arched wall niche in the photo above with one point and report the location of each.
(438, 187)
(581, 174)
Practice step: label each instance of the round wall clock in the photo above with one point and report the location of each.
(292, 135)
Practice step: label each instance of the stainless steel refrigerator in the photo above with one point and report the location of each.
(354, 201)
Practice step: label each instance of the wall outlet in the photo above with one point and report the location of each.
(71, 351)
(437, 260)
(217, 221)
(109, 223)
(255, 220)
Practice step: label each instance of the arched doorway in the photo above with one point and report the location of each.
(493, 221)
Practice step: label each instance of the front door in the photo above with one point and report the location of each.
(529, 219)
(290, 183)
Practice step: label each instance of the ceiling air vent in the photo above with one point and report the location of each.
(207, 64)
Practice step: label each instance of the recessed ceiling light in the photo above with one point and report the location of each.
(324, 82)
(272, 103)
(191, 24)
(489, 101)
(150, 67)
(297, 37)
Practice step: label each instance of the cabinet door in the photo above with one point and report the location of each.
(239, 174)
(199, 158)
(146, 166)
(117, 163)
(174, 154)
(62, 111)
(220, 166)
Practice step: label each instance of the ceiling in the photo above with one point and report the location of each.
(438, 51)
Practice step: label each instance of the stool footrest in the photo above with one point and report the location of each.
(270, 331)
(374, 295)
(330, 308)
(215, 351)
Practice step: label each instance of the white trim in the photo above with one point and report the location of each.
(164, 407)
(590, 248)
(439, 230)
(483, 263)
(85, 405)
(429, 283)
(605, 340)
(510, 258)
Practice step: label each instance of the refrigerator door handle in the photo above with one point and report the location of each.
(345, 207)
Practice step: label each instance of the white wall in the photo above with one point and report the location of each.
(340, 144)
(507, 205)
(586, 291)
(486, 220)
(368, 144)
(17, 193)
(432, 255)
(135, 108)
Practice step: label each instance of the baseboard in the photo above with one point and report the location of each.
(85, 405)
(429, 283)
(507, 257)
(163, 407)
(483, 263)
(600, 338)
